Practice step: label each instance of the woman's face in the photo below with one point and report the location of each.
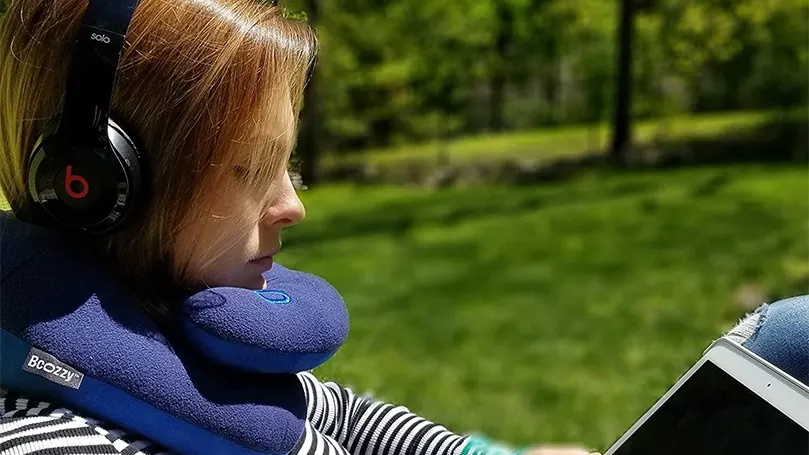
(251, 246)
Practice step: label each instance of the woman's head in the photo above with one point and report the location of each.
(211, 89)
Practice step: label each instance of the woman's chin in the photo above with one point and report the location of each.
(256, 284)
(245, 279)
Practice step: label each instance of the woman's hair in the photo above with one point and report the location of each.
(205, 86)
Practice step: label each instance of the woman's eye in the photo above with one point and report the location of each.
(297, 181)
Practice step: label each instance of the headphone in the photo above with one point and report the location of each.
(85, 170)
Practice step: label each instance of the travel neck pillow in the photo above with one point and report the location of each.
(223, 382)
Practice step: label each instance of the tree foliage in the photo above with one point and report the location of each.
(400, 70)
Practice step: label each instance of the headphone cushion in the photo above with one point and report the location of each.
(90, 187)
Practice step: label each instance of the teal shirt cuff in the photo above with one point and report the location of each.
(481, 445)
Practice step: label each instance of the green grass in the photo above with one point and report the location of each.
(550, 314)
(559, 142)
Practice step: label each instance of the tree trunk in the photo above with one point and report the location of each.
(497, 88)
(497, 84)
(309, 144)
(622, 125)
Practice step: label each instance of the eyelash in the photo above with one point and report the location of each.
(297, 182)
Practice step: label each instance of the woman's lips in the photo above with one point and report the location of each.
(265, 261)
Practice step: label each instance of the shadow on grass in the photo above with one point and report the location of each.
(783, 139)
(449, 208)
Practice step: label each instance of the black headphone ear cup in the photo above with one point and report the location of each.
(127, 150)
(49, 129)
(90, 188)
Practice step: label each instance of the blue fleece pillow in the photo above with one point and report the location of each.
(72, 334)
(294, 325)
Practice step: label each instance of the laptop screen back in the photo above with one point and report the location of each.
(712, 413)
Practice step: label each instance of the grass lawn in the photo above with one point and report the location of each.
(567, 141)
(548, 314)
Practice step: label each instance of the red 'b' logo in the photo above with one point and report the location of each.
(70, 178)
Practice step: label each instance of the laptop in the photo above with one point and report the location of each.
(730, 402)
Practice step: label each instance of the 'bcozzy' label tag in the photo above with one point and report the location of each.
(45, 365)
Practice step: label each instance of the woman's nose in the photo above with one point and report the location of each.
(287, 208)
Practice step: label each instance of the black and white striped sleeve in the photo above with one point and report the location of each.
(29, 427)
(365, 426)
(314, 442)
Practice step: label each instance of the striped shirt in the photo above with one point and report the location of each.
(339, 422)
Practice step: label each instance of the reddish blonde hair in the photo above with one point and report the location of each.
(199, 83)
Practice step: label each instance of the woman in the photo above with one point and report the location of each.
(212, 90)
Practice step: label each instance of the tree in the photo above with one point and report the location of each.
(623, 100)
(497, 85)
(310, 144)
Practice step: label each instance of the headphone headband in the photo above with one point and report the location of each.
(92, 71)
